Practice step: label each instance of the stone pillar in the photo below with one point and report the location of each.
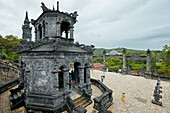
(35, 34)
(128, 70)
(81, 74)
(92, 62)
(58, 29)
(124, 62)
(38, 34)
(155, 73)
(148, 70)
(87, 74)
(43, 31)
(46, 29)
(104, 61)
(142, 72)
(71, 32)
(66, 78)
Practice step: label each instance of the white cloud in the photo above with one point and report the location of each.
(128, 23)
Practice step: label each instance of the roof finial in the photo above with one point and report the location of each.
(57, 5)
(26, 21)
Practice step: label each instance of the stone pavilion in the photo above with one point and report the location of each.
(46, 62)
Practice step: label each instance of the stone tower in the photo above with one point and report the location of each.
(26, 29)
(46, 62)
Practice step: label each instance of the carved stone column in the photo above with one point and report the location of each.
(148, 70)
(43, 31)
(35, 34)
(81, 74)
(88, 74)
(124, 62)
(58, 29)
(38, 34)
(104, 61)
(46, 29)
(66, 78)
(71, 32)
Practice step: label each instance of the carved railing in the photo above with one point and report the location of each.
(104, 101)
(9, 85)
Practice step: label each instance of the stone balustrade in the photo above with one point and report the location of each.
(104, 101)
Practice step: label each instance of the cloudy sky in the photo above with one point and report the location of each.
(138, 24)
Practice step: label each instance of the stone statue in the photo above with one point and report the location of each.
(74, 15)
(44, 8)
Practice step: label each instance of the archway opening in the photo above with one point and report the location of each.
(76, 72)
(65, 29)
(61, 78)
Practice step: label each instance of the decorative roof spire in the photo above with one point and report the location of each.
(26, 21)
(57, 5)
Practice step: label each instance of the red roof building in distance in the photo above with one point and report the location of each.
(98, 68)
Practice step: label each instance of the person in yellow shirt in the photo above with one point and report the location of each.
(123, 96)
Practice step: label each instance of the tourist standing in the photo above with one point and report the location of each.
(103, 75)
(120, 71)
(101, 79)
(123, 96)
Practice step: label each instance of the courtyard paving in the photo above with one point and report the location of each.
(138, 91)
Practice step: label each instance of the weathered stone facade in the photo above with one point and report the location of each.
(45, 62)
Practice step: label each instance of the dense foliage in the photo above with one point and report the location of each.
(8, 43)
(159, 59)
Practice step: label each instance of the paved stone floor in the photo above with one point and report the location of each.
(5, 103)
(139, 93)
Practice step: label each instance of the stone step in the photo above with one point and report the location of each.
(75, 96)
(78, 100)
(80, 103)
(85, 104)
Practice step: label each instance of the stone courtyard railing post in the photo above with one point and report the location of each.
(104, 61)
(124, 62)
(148, 71)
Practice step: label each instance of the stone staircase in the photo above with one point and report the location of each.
(79, 100)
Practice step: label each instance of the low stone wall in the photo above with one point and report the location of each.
(104, 101)
(9, 85)
(162, 77)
